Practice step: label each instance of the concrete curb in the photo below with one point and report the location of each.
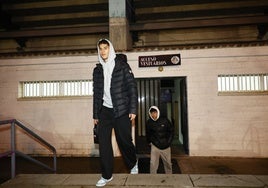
(140, 180)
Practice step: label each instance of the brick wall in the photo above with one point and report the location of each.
(218, 125)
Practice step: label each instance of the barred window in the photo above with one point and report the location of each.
(30, 89)
(243, 83)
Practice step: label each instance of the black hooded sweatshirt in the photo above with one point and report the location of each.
(159, 132)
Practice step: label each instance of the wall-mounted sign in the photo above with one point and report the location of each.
(159, 60)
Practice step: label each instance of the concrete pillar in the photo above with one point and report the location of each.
(119, 25)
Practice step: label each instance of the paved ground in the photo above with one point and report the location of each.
(188, 172)
(223, 165)
(140, 180)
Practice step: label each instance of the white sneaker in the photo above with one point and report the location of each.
(135, 169)
(102, 182)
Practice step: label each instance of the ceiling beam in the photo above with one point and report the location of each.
(54, 32)
(179, 24)
(199, 23)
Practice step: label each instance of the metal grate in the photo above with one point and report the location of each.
(56, 88)
(243, 83)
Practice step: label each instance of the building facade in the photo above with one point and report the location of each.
(233, 124)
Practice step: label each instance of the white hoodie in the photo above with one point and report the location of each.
(108, 68)
(158, 112)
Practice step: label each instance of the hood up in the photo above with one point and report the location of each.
(108, 67)
(158, 112)
(112, 53)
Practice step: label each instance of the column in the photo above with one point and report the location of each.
(119, 24)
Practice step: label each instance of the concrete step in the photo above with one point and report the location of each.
(139, 180)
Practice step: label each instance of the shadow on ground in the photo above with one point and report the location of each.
(73, 165)
(181, 165)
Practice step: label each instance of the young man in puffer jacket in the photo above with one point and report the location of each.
(115, 102)
(159, 134)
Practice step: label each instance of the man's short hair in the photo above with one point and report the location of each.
(153, 110)
(103, 41)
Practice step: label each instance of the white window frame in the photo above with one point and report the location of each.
(243, 84)
(55, 89)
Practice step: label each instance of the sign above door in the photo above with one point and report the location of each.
(159, 60)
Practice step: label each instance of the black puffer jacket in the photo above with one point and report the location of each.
(123, 88)
(159, 132)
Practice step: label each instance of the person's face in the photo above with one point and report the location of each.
(104, 50)
(154, 115)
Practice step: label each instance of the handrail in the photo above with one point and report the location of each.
(35, 136)
(13, 151)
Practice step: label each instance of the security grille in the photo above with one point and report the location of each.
(72, 88)
(243, 83)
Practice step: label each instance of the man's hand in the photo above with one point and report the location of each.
(132, 116)
(96, 121)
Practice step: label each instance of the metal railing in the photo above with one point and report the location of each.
(13, 152)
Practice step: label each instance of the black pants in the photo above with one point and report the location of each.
(122, 129)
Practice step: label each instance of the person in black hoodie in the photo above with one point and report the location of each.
(115, 101)
(159, 134)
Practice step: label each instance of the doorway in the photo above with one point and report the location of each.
(170, 95)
